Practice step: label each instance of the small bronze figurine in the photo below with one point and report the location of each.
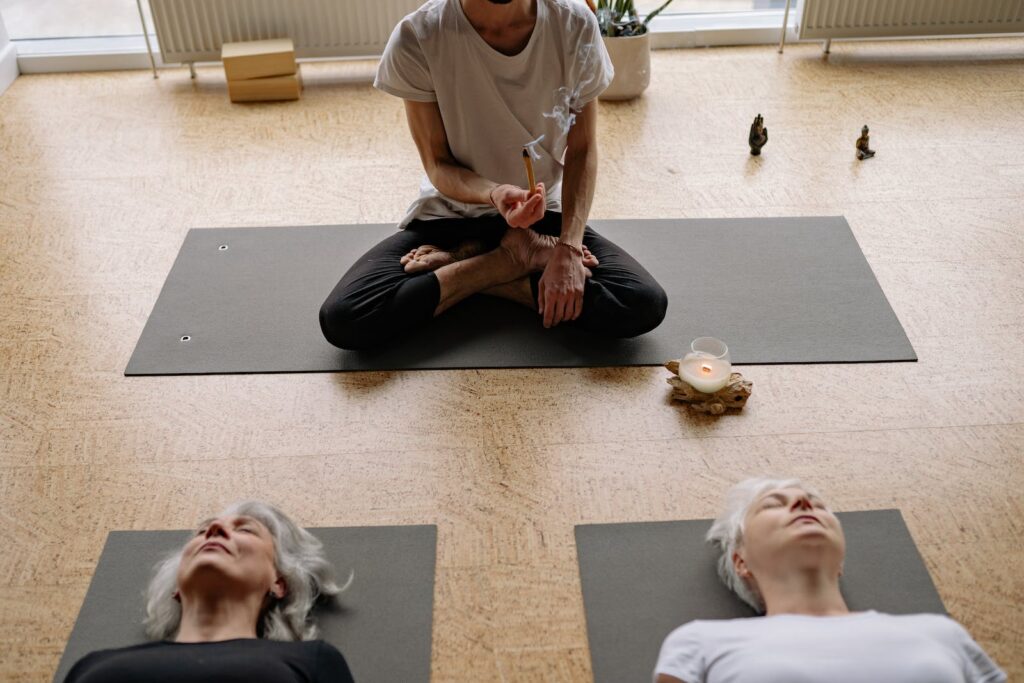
(758, 135)
(863, 151)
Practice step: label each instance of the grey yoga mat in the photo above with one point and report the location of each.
(640, 581)
(777, 290)
(382, 623)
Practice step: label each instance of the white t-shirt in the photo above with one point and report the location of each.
(492, 104)
(864, 647)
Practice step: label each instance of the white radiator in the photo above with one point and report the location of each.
(828, 19)
(194, 30)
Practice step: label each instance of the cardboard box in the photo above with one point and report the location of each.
(258, 59)
(273, 88)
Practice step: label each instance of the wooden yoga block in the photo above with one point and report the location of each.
(258, 59)
(271, 89)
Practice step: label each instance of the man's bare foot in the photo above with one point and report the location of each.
(425, 258)
(529, 250)
(532, 250)
(521, 252)
(428, 257)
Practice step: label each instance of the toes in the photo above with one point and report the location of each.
(427, 258)
(415, 266)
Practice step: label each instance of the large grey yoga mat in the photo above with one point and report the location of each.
(777, 290)
(640, 581)
(382, 623)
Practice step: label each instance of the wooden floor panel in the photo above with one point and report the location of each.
(103, 174)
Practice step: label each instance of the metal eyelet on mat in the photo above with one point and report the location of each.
(186, 338)
(222, 247)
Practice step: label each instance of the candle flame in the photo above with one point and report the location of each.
(706, 369)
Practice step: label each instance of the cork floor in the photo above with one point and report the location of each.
(102, 174)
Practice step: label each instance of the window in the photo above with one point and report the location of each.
(706, 6)
(48, 19)
(87, 35)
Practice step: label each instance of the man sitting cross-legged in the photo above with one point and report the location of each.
(481, 79)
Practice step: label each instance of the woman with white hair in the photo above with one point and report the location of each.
(234, 603)
(782, 553)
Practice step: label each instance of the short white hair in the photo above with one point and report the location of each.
(726, 532)
(298, 558)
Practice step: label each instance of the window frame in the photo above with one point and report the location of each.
(66, 55)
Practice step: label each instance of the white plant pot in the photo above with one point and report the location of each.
(631, 57)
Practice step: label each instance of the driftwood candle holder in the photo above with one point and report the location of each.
(733, 395)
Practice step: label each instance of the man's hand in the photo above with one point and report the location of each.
(560, 291)
(520, 208)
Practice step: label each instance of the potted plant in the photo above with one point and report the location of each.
(628, 42)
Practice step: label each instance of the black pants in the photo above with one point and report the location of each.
(377, 301)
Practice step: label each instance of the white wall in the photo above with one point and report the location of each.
(8, 59)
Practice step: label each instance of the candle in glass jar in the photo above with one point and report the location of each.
(704, 372)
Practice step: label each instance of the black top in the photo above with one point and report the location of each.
(252, 660)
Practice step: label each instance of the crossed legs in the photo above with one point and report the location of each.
(470, 268)
(422, 271)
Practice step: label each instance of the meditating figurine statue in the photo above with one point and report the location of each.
(863, 151)
(758, 135)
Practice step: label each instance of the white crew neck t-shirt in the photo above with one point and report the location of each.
(493, 104)
(864, 647)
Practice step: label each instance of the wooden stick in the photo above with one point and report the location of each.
(529, 170)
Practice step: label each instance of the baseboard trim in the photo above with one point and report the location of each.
(8, 66)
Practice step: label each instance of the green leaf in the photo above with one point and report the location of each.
(656, 12)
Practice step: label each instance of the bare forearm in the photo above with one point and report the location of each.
(460, 183)
(578, 182)
(445, 172)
